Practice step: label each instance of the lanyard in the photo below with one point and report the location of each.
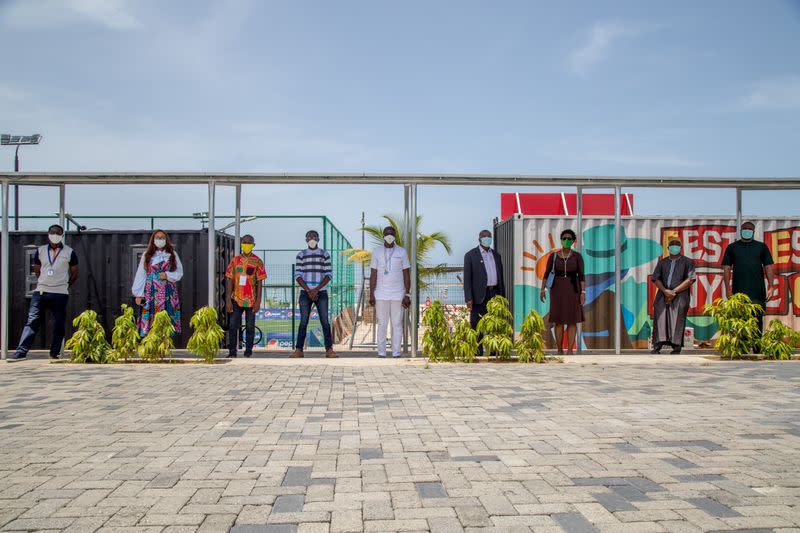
(53, 260)
(387, 263)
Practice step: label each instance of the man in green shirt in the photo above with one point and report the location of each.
(750, 261)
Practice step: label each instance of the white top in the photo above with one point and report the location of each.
(159, 257)
(390, 263)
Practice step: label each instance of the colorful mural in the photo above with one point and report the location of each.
(643, 242)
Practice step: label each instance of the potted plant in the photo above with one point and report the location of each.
(464, 342)
(496, 328)
(530, 346)
(157, 344)
(779, 341)
(737, 318)
(88, 344)
(125, 336)
(435, 340)
(207, 336)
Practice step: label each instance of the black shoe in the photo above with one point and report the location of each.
(55, 357)
(231, 356)
(248, 354)
(19, 355)
(656, 349)
(675, 350)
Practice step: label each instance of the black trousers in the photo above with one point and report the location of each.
(40, 302)
(235, 325)
(478, 310)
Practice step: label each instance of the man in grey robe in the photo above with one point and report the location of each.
(674, 276)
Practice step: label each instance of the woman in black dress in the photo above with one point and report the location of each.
(568, 291)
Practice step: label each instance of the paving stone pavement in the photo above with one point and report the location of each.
(341, 447)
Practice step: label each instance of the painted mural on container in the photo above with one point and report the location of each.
(643, 242)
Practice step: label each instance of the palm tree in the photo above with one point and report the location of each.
(425, 245)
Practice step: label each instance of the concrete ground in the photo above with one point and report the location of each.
(600, 443)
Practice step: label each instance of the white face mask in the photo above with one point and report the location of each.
(389, 239)
(55, 239)
(312, 243)
(160, 243)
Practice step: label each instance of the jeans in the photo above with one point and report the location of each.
(305, 315)
(57, 304)
(235, 324)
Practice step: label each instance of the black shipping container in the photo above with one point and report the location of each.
(108, 262)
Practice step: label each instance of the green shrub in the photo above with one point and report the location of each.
(125, 336)
(157, 344)
(779, 341)
(464, 342)
(88, 344)
(207, 336)
(496, 328)
(436, 339)
(737, 318)
(530, 346)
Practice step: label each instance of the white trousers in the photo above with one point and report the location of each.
(386, 311)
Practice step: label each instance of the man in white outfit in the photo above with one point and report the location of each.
(389, 289)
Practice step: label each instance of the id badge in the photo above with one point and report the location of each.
(242, 280)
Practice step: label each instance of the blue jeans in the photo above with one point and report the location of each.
(235, 325)
(57, 304)
(305, 315)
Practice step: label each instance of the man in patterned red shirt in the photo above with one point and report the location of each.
(244, 276)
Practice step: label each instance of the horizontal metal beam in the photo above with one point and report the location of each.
(388, 179)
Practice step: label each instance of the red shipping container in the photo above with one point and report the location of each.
(564, 204)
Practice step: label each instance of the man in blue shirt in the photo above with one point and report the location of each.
(313, 273)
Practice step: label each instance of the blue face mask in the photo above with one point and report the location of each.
(486, 242)
(674, 249)
(747, 234)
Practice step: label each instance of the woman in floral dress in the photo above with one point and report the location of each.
(154, 286)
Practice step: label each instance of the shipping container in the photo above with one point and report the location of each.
(108, 262)
(526, 242)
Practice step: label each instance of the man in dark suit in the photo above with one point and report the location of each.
(483, 277)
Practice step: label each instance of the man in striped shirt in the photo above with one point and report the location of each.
(313, 273)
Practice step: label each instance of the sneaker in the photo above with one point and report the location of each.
(297, 353)
(17, 356)
(676, 350)
(248, 354)
(53, 356)
(382, 355)
(231, 356)
(330, 354)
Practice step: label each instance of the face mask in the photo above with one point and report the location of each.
(247, 247)
(674, 249)
(486, 241)
(747, 234)
(312, 243)
(55, 239)
(160, 243)
(567, 243)
(389, 239)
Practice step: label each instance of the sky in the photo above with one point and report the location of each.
(678, 88)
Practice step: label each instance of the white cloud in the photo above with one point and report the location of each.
(777, 93)
(598, 41)
(111, 14)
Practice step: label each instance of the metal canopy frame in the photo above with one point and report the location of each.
(410, 183)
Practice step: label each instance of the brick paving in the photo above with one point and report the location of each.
(344, 446)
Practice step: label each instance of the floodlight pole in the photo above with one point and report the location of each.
(4, 276)
(212, 245)
(617, 270)
(16, 191)
(407, 229)
(413, 248)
